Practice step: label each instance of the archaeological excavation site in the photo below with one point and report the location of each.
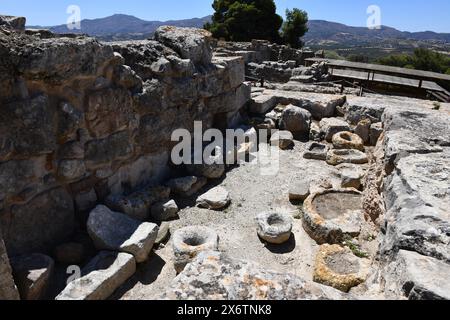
(333, 193)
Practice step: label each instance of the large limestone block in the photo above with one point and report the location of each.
(215, 199)
(215, 276)
(189, 43)
(115, 231)
(418, 277)
(45, 221)
(101, 277)
(330, 126)
(296, 120)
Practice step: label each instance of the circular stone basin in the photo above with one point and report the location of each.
(348, 140)
(190, 241)
(275, 228)
(331, 215)
(339, 156)
(339, 268)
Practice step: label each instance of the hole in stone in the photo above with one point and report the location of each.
(346, 137)
(274, 221)
(194, 241)
(317, 148)
(335, 204)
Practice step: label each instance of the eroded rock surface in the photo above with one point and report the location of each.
(100, 277)
(115, 231)
(229, 279)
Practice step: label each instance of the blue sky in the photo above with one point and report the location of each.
(406, 15)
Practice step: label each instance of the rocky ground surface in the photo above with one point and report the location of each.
(252, 193)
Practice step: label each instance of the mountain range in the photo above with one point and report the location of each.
(121, 27)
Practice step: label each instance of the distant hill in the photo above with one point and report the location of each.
(320, 30)
(121, 26)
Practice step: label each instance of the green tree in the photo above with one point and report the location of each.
(295, 27)
(244, 20)
(422, 59)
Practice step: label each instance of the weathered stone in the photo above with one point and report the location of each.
(316, 151)
(163, 211)
(163, 233)
(339, 156)
(363, 130)
(17, 175)
(417, 201)
(331, 215)
(282, 139)
(32, 274)
(138, 204)
(196, 187)
(275, 228)
(235, 66)
(101, 277)
(114, 147)
(127, 78)
(69, 120)
(339, 268)
(351, 175)
(86, 201)
(71, 253)
(15, 23)
(263, 104)
(212, 167)
(376, 130)
(190, 241)
(315, 134)
(147, 170)
(181, 186)
(417, 277)
(330, 126)
(347, 140)
(229, 279)
(115, 231)
(51, 211)
(295, 120)
(215, 199)
(109, 111)
(402, 136)
(189, 43)
(57, 60)
(8, 289)
(26, 126)
(71, 169)
(299, 190)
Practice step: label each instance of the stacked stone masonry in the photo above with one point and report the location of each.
(82, 120)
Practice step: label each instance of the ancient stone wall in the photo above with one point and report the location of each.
(8, 290)
(81, 120)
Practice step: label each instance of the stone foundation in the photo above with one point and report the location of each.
(82, 120)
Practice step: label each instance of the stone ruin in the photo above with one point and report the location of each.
(358, 210)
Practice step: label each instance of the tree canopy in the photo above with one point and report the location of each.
(245, 20)
(295, 27)
(422, 59)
